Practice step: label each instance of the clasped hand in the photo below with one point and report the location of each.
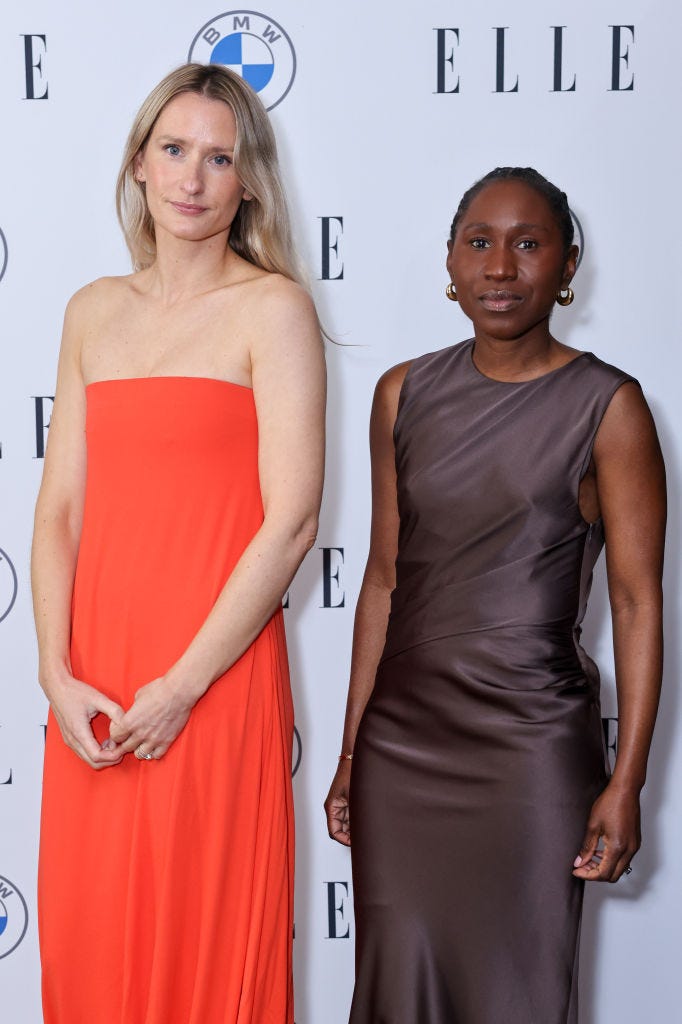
(156, 717)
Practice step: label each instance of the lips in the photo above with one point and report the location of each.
(500, 301)
(188, 208)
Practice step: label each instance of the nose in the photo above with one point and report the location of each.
(192, 180)
(501, 263)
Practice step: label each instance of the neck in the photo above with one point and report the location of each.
(509, 358)
(183, 269)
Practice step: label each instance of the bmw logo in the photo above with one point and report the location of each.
(13, 917)
(8, 585)
(3, 255)
(252, 45)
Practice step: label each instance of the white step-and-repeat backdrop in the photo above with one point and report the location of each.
(385, 113)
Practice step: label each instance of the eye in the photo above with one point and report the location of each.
(222, 160)
(479, 243)
(528, 243)
(172, 149)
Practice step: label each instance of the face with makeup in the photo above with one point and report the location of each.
(508, 260)
(186, 165)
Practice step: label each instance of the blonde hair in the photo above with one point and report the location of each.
(260, 231)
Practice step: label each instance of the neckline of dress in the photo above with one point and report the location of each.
(169, 377)
(518, 383)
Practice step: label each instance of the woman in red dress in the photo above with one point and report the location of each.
(181, 489)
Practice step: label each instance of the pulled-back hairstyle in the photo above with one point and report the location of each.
(260, 231)
(556, 199)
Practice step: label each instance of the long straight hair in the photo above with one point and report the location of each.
(261, 229)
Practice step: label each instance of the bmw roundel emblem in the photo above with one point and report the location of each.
(252, 45)
(13, 917)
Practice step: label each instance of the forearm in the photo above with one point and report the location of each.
(638, 647)
(369, 635)
(53, 564)
(246, 603)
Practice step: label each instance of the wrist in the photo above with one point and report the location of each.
(185, 686)
(53, 674)
(627, 786)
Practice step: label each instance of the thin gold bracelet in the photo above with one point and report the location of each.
(345, 757)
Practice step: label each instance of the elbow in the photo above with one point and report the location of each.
(300, 538)
(627, 604)
(306, 534)
(292, 535)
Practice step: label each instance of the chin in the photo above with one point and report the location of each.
(191, 231)
(499, 328)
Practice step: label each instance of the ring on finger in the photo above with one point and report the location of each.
(628, 870)
(142, 756)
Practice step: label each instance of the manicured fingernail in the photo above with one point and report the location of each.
(108, 745)
(578, 861)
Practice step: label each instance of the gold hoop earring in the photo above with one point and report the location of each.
(451, 293)
(567, 299)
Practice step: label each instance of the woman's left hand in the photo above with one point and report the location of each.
(612, 837)
(157, 716)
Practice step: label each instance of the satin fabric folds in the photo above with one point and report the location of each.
(480, 751)
(166, 886)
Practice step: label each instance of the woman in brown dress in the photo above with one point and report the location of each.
(479, 801)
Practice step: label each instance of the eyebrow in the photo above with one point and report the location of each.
(522, 226)
(183, 142)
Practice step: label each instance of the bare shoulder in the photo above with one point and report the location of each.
(103, 289)
(390, 384)
(627, 399)
(280, 317)
(274, 295)
(627, 424)
(97, 299)
(386, 398)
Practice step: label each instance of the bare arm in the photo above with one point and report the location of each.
(371, 616)
(58, 520)
(289, 391)
(630, 480)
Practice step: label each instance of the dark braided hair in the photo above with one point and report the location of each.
(556, 199)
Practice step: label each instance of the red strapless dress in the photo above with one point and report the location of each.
(166, 887)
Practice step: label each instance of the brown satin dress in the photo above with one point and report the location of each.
(480, 751)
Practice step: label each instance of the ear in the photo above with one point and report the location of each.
(448, 258)
(138, 173)
(246, 196)
(570, 266)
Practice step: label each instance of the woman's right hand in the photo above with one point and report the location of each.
(336, 805)
(75, 704)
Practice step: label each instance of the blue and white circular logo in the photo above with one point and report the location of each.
(13, 917)
(3, 255)
(252, 45)
(8, 585)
